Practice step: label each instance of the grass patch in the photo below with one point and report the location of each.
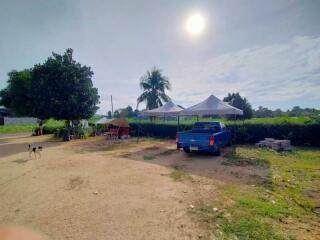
(251, 228)
(20, 128)
(237, 225)
(265, 207)
(49, 124)
(167, 152)
(260, 212)
(8, 129)
(164, 153)
(179, 175)
(241, 159)
(148, 157)
(234, 224)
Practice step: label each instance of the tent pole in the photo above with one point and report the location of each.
(197, 118)
(235, 135)
(178, 127)
(138, 130)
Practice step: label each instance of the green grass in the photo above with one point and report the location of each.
(148, 158)
(233, 158)
(237, 225)
(7, 129)
(179, 175)
(167, 152)
(250, 228)
(256, 212)
(51, 123)
(163, 153)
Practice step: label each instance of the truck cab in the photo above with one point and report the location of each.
(204, 137)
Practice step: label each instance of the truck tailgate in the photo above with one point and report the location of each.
(194, 139)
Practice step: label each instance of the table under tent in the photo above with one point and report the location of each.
(114, 128)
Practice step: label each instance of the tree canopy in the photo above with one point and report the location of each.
(234, 99)
(60, 88)
(154, 84)
(17, 95)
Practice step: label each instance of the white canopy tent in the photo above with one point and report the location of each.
(169, 109)
(211, 106)
(103, 120)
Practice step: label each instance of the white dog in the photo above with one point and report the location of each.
(35, 150)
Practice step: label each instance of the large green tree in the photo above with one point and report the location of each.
(242, 103)
(17, 96)
(154, 84)
(60, 88)
(63, 89)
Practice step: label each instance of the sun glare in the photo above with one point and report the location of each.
(195, 24)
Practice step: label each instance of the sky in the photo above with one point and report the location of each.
(268, 51)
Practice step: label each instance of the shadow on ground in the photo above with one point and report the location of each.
(8, 148)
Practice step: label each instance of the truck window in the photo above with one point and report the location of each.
(206, 126)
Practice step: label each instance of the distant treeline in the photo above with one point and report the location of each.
(263, 112)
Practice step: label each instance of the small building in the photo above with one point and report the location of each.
(4, 112)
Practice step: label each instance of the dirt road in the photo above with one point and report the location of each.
(87, 190)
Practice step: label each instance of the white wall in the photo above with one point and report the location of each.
(22, 120)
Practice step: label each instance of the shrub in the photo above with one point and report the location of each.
(299, 134)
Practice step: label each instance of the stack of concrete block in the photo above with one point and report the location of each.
(282, 145)
(277, 145)
(265, 143)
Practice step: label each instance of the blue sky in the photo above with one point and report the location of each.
(269, 51)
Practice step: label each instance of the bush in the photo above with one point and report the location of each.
(78, 132)
(299, 134)
(50, 129)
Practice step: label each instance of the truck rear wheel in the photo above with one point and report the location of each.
(186, 150)
(217, 153)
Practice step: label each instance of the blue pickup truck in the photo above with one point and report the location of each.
(204, 137)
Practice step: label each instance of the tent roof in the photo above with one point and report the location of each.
(211, 106)
(119, 122)
(104, 120)
(168, 109)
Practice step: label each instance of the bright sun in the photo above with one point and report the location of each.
(195, 24)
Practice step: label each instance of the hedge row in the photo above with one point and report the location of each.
(301, 135)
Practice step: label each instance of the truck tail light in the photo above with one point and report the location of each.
(211, 141)
(177, 138)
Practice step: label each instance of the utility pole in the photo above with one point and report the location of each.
(111, 106)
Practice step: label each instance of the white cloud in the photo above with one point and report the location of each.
(270, 74)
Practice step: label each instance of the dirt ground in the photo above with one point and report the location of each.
(88, 189)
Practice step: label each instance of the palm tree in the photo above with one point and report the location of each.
(154, 84)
